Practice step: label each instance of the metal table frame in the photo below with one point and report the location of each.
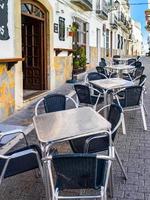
(120, 68)
(112, 84)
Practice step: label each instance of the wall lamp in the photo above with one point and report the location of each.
(114, 6)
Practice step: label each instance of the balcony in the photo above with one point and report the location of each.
(102, 9)
(114, 22)
(86, 5)
(121, 18)
(123, 22)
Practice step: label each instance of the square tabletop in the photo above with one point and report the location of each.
(120, 67)
(112, 83)
(69, 124)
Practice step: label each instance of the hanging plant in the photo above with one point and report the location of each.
(73, 29)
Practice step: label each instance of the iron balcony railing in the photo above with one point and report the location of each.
(84, 4)
(123, 22)
(114, 22)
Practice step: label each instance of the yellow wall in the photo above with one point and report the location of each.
(93, 56)
(7, 94)
(63, 69)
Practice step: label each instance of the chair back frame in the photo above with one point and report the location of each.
(55, 192)
(42, 100)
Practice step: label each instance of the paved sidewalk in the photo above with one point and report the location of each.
(133, 148)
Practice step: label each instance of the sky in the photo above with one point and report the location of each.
(137, 12)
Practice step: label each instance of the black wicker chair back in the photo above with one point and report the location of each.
(138, 64)
(83, 93)
(131, 61)
(95, 76)
(26, 159)
(142, 80)
(54, 102)
(79, 171)
(139, 72)
(131, 97)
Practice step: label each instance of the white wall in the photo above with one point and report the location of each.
(7, 46)
(68, 11)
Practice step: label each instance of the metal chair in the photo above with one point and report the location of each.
(102, 63)
(131, 61)
(69, 172)
(102, 142)
(86, 95)
(116, 62)
(20, 160)
(138, 64)
(53, 103)
(132, 100)
(135, 74)
(94, 76)
(140, 80)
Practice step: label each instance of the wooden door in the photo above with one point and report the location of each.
(33, 50)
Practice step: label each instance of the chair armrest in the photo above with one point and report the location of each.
(121, 90)
(37, 105)
(106, 133)
(95, 90)
(74, 102)
(22, 153)
(110, 157)
(13, 132)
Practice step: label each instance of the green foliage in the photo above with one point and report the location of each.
(79, 58)
(74, 27)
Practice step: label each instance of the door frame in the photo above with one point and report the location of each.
(45, 52)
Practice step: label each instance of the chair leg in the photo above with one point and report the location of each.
(123, 126)
(110, 184)
(143, 117)
(145, 109)
(120, 164)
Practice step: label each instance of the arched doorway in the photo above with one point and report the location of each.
(34, 46)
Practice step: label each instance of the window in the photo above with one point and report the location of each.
(80, 37)
(121, 42)
(107, 42)
(98, 5)
(61, 29)
(118, 46)
(33, 10)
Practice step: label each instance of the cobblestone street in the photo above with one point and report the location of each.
(133, 148)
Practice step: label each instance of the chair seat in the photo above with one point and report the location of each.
(22, 163)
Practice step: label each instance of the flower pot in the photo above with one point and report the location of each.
(70, 33)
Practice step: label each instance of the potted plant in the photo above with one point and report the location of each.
(73, 29)
(79, 63)
(79, 60)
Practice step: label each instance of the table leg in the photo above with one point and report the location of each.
(105, 103)
(46, 174)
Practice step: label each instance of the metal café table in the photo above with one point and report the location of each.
(122, 60)
(111, 84)
(120, 68)
(64, 125)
